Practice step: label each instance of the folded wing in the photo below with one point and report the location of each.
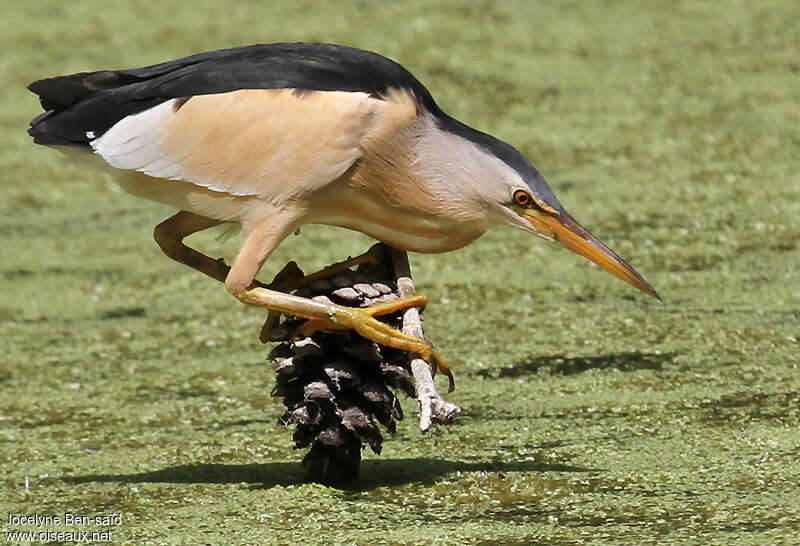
(269, 143)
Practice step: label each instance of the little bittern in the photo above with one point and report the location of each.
(281, 135)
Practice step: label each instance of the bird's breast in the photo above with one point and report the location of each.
(408, 220)
(408, 231)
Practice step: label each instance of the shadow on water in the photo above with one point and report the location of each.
(128, 312)
(374, 473)
(564, 365)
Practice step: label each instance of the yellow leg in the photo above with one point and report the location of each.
(170, 233)
(353, 318)
(262, 239)
(292, 278)
(362, 321)
(321, 316)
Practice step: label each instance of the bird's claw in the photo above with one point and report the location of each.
(442, 366)
(363, 322)
(292, 278)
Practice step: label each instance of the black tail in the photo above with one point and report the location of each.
(56, 126)
(63, 91)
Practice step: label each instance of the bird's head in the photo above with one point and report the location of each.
(525, 201)
(505, 188)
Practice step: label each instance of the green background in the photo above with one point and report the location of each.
(592, 414)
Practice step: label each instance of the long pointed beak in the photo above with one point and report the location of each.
(569, 233)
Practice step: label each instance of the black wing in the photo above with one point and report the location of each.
(83, 106)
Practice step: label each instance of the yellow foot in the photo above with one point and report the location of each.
(292, 278)
(363, 321)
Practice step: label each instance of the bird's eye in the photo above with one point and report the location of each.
(522, 198)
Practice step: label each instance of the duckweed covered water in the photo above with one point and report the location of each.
(592, 415)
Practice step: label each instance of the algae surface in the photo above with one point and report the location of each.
(133, 386)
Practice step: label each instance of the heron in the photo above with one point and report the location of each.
(276, 136)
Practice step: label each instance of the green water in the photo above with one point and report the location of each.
(592, 415)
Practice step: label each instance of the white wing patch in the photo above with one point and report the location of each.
(134, 144)
(272, 144)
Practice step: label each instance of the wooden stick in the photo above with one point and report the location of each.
(432, 407)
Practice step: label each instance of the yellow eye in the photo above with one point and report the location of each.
(522, 198)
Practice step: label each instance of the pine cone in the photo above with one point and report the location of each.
(336, 384)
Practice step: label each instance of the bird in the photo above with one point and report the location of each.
(276, 136)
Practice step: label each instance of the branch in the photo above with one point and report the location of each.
(432, 407)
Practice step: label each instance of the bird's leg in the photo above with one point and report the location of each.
(362, 321)
(327, 316)
(312, 326)
(170, 233)
(292, 278)
(258, 245)
(240, 281)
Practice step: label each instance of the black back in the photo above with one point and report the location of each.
(94, 101)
